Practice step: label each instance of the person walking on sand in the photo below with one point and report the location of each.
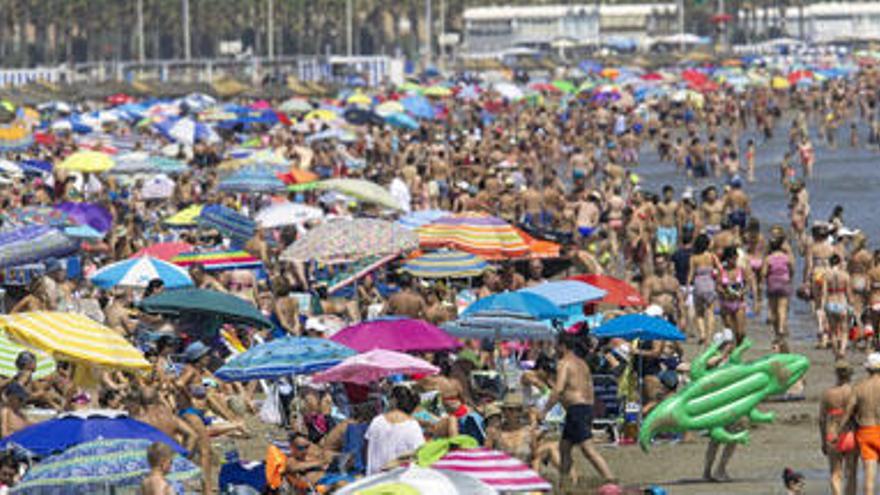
(574, 389)
(841, 453)
(864, 407)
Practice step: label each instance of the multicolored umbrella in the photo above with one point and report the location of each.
(101, 466)
(15, 136)
(483, 235)
(139, 272)
(36, 215)
(374, 365)
(164, 250)
(34, 243)
(87, 161)
(446, 264)
(395, 334)
(79, 427)
(9, 352)
(284, 357)
(363, 190)
(340, 240)
(287, 213)
(73, 337)
(253, 179)
(218, 261)
(497, 469)
(414, 480)
(229, 222)
(209, 303)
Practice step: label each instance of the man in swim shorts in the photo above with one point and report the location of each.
(574, 389)
(667, 229)
(864, 406)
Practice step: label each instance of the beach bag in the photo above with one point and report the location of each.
(270, 411)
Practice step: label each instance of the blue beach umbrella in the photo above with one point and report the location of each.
(101, 466)
(418, 106)
(403, 121)
(228, 221)
(284, 357)
(255, 179)
(138, 272)
(639, 326)
(525, 303)
(68, 430)
(418, 218)
(565, 293)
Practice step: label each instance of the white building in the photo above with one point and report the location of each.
(822, 22)
(498, 28)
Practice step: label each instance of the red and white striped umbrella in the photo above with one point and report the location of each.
(494, 468)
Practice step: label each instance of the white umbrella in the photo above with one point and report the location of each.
(508, 90)
(287, 213)
(10, 169)
(158, 187)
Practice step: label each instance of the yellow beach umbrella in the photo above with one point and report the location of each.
(73, 337)
(438, 91)
(87, 161)
(779, 83)
(186, 217)
(359, 99)
(321, 114)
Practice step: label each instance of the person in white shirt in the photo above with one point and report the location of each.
(394, 433)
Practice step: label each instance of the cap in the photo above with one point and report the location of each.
(195, 351)
(491, 410)
(872, 362)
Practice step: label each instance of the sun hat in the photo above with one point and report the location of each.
(513, 399)
(872, 362)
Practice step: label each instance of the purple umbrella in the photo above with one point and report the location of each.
(396, 334)
(91, 214)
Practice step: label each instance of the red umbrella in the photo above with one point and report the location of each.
(719, 18)
(164, 250)
(652, 76)
(544, 87)
(797, 75)
(617, 292)
(119, 99)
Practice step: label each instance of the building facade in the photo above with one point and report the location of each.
(817, 23)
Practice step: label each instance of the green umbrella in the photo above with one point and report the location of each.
(564, 86)
(9, 352)
(218, 307)
(362, 190)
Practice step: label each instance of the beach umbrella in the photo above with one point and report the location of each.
(87, 161)
(525, 303)
(395, 334)
(389, 107)
(374, 365)
(33, 243)
(100, 466)
(91, 214)
(218, 261)
(36, 166)
(164, 250)
(500, 325)
(437, 91)
(287, 213)
(418, 106)
(358, 98)
(418, 218)
(402, 121)
(228, 221)
(414, 480)
(476, 233)
(341, 240)
(446, 264)
(73, 337)
(321, 115)
(221, 306)
(497, 469)
(36, 215)
(253, 179)
(10, 169)
(298, 177)
(508, 90)
(138, 272)
(187, 217)
(9, 352)
(15, 136)
(158, 187)
(617, 292)
(363, 190)
(187, 131)
(132, 163)
(362, 116)
(83, 232)
(283, 357)
(638, 326)
(564, 86)
(565, 293)
(779, 83)
(295, 105)
(78, 427)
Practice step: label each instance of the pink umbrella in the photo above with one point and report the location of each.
(396, 334)
(374, 365)
(165, 251)
(494, 468)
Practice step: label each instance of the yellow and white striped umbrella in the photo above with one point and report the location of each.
(73, 337)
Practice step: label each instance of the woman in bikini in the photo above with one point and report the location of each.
(836, 291)
(816, 257)
(859, 264)
(701, 278)
(732, 284)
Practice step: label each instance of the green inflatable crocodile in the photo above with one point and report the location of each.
(719, 397)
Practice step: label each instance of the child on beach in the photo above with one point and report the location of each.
(159, 457)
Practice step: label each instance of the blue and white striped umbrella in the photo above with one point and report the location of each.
(228, 221)
(256, 179)
(137, 272)
(284, 357)
(187, 131)
(446, 264)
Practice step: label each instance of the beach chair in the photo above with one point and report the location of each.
(607, 407)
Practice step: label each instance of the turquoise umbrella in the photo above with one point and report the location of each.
(284, 357)
(101, 466)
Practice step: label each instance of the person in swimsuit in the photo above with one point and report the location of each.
(864, 407)
(838, 439)
(836, 291)
(732, 286)
(777, 270)
(701, 278)
(816, 257)
(859, 263)
(755, 246)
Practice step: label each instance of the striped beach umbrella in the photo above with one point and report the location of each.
(228, 221)
(497, 469)
(73, 337)
(218, 261)
(483, 235)
(446, 264)
(9, 352)
(284, 357)
(138, 272)
(253, 179)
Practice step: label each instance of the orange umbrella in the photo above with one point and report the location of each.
(475, 233)
(539, 248)
(297, 176)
